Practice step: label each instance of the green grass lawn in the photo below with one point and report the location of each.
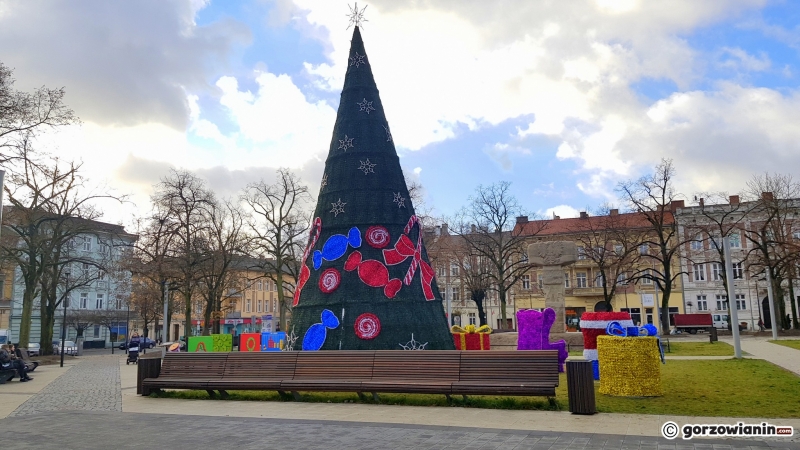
(690, 349)
(793, 343)
(748, 388)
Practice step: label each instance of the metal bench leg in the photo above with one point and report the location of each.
(375, 397)
(464, 397)
(223, 394)
(449, 399)
(296, 395)
(211, 393)
(361, 396)
(282, 393)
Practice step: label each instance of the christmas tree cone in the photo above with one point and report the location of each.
(366, 282)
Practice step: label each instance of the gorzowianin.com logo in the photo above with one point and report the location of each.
(671, 430)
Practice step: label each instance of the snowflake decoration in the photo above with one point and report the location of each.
(345, 143)
(338, 207)
(357, 60)
(291, 338)
(367, 166)
(365, 106)
(413, 345)
(324, 181)
(356, 17)
(401, 202)
(388, 133)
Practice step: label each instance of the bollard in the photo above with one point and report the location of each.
(712, 335)
(580, 387)
(147, 368)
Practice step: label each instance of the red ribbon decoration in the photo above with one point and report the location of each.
(305, 272)
(404, 249)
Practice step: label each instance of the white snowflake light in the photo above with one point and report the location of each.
(345, 143)
(413, 345)
(338, 207)
(367, 166)
(356, 16)
(398, 198)
(388, 133)
(357, 60)
(324, 181)
(291, 338)
(365, 106)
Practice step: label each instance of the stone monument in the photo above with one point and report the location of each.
(551, 257)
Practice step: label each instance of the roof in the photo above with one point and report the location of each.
(574, 225)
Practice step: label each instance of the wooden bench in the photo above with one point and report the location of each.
(7, 375)
(526, 373)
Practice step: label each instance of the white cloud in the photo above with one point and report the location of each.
(738, 59)
(562, 211)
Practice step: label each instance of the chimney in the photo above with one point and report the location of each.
(473, 228)
(522, 220)
(584, 215)
(767, 196)
(702, 202)
(675, 204)
(613, 212)
(734, 199)
(444, 229)
(555, 217)
(437, 231)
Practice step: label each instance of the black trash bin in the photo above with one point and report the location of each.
(712, 335)
(580, 387)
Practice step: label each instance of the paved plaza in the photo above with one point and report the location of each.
(92, 403)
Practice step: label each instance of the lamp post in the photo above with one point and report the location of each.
(63, 330)
(737, 346)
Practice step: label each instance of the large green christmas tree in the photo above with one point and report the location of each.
(366, 283)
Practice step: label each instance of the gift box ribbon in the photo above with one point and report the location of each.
(470, 329)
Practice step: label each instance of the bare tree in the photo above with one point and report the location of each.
(771, 233)
(23, 115)
(652, 196)
(80, 320)
(50, 208)
(223, 242)
(610, 240)
(279, 222)
(487, 229)
(146, 300)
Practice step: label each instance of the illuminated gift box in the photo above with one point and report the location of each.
(222, 342)
(273, 342)
(250, 342)
(471, 338)
(629, 366)
(200, 344)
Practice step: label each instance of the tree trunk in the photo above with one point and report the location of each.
(795, 324)
(46, 335)
(25, 320)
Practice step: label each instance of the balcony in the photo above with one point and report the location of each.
(588, 292)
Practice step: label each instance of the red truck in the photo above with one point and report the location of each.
(692, 322)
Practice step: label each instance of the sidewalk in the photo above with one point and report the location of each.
(15, 393)
(760, 348)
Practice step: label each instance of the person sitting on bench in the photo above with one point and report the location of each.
(8, 357)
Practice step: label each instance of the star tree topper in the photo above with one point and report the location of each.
(356, 16)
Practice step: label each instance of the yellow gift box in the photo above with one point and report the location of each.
(629, 366)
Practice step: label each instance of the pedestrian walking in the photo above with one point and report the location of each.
(760, 325)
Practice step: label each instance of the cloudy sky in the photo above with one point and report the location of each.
(562, 98)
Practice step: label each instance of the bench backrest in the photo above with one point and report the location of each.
(267, 365)
(335, 364)
(540, 366)
(193, 365)
(416, 365)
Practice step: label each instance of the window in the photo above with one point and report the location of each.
(580, 279)
(738, 273)
(99, 298)
(646, 277)
(619, 249)
(540, 281)
(274, 306)
(697, 243)
(105, 249)
(454, 270)
(87, 244)
(524, 257)
(566, 279)
(716, 271)
(598, 280)
(699, 272)
(68, 301)
(741, 303)
(259, 286)
(581, 253)
(702, 303)
(96, 331)
(472, 319)
(636, 314)
(85, 270)
(526, 282)
(716, 242)
(644, 249)
(248, 305)
(722, 302)
(455, 294)
(259, 304)
(440, 272)
(622, 278)
(84, 300)
(599, 251)
(735, 239)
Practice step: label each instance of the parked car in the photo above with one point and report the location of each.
(34, 348)
(69, 348)
(144, 342)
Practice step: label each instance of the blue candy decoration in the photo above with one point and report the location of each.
(336, 246)
(615, 329)
(316, 334)
(651, 329)
(596, 369)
